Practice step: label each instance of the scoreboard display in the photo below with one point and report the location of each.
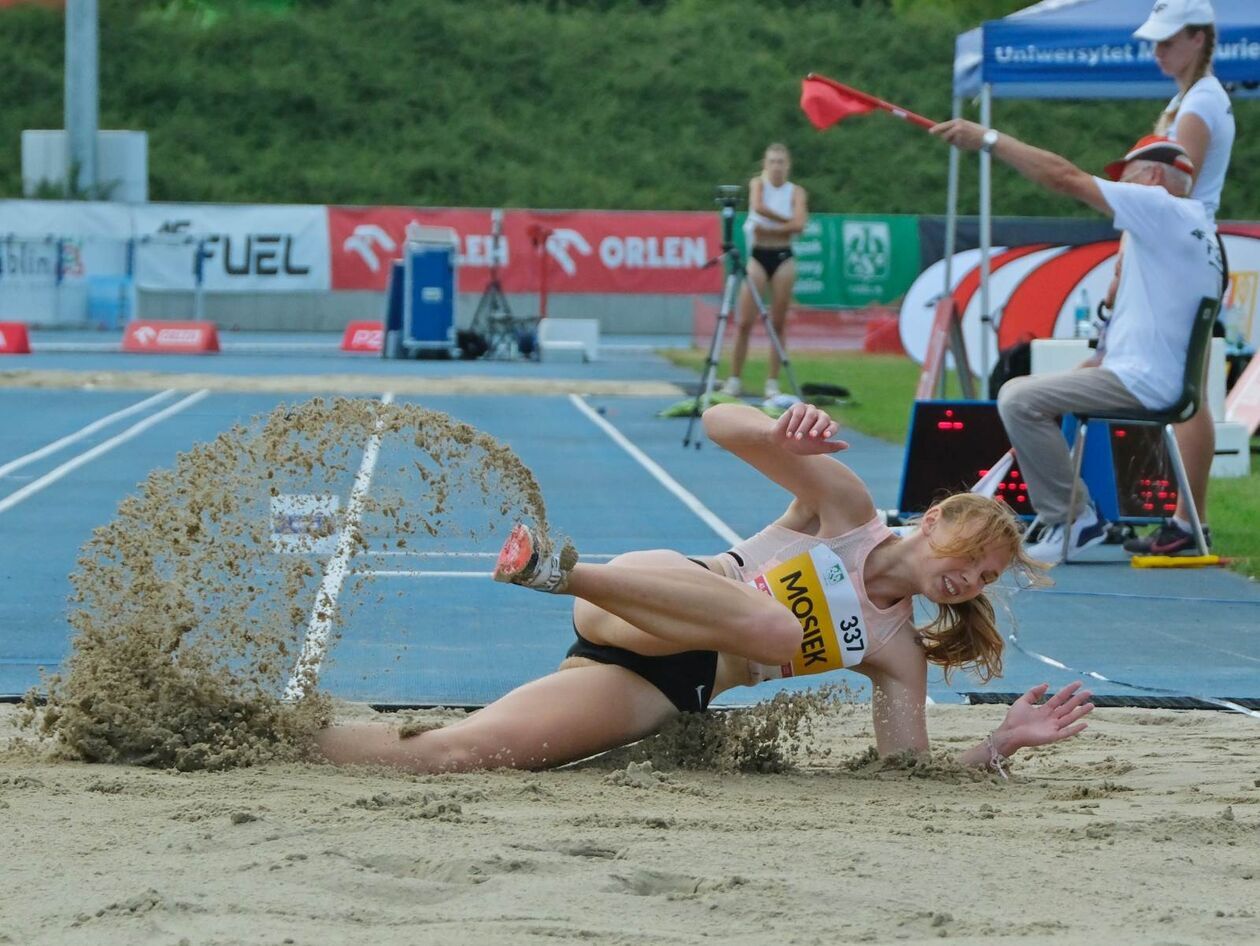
(952, 444)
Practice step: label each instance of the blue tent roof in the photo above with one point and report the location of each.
(1085, 49)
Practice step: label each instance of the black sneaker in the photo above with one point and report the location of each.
(1168, 539)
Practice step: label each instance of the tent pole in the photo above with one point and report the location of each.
(951, 219)
(986, 233)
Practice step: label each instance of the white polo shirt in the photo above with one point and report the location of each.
(1171, 261)
(1208, 100)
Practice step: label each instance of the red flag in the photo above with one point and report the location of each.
(826, 102)
(825, 105)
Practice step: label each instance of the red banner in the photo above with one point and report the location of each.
(582, 250)
(176, 338)
(363, 336)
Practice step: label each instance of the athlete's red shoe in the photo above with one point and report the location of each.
(520, 564)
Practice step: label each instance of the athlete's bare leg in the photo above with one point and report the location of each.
(564, 716)
(781, 284)
(662, 603)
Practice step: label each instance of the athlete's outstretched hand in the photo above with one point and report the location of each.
(1029, 722)
(806, 430)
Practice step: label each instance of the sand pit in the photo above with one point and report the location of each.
(784, 828)
(1146, 830)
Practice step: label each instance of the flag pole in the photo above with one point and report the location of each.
(896, 110)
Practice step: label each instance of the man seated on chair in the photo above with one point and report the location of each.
(1172, 261)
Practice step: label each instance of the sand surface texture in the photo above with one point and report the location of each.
(1146, 830)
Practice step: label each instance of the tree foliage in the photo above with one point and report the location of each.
(634, 104)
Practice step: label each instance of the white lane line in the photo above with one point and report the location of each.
(52, 476)
(83, 432)
(725, 532)
(425, 574)
(315, 644)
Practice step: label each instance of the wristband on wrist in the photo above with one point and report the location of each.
(997, 761)
(989, 140)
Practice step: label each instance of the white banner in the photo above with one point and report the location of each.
(243, 248)
(246, 248)
(50, 241)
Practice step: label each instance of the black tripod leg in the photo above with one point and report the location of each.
(778, 345)
(711, 363)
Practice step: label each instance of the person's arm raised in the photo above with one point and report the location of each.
(794, 452)
(1042, 167)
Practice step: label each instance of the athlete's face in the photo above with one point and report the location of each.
(1179, 54)
(953, 579)
(777, 166)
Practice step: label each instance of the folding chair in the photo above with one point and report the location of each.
(1180, 410)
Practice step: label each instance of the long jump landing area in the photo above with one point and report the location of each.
(82, 426)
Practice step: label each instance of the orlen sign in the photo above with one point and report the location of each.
(583, 251)
(179, 338)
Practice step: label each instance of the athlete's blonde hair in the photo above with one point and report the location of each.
(966, 635)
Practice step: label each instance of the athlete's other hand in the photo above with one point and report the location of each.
(1029, 722)
(805, 429)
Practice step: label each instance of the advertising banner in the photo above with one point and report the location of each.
(1035, 290)
(852, 260)
(242, 248)
(573, 251)
(1043, 55)
(52, 241)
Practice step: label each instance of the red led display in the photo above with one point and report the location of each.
(952, 445)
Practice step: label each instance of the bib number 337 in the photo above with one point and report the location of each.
(815, 586)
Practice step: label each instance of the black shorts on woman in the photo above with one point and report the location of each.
(771, 257)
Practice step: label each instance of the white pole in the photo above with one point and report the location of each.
(82, 101)
(951, 221)
(986, 233)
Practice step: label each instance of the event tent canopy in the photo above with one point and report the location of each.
(1085, 49)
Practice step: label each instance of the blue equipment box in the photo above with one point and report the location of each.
(420, 300)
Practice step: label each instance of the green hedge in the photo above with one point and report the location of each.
(604, 103)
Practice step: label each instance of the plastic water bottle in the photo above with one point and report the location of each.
(1084, 326)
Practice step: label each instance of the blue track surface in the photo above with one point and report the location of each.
(457, 638)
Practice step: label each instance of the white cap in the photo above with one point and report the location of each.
(1170, 16)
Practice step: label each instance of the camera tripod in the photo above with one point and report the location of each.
(736, 275)
(493, 318)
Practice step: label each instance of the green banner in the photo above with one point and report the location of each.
(852, 260)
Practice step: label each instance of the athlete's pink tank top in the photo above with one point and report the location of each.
(775, 544)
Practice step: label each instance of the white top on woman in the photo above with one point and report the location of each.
(776, 198)
(1208, 100)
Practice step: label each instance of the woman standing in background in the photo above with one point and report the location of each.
(1201, 119)
(777, 211)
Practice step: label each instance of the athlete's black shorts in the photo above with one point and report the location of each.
(771, 258)
(686, 679)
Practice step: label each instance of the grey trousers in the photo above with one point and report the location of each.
(1031, 408)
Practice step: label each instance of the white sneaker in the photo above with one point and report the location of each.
(520, 564)
(1088, 530)
(732, 387)
(772, 387)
